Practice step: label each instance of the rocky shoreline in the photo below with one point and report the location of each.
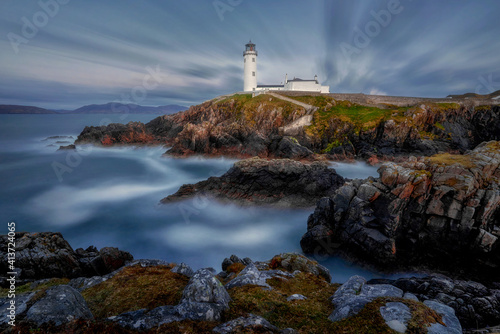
(442, 212)
(241, 126)
(281, 295)
(436, 208)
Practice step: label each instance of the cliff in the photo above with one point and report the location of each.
(242, 126)
(441, 212)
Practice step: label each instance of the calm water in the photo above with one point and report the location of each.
(109, 197)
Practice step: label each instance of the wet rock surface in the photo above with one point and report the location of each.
(282, 183)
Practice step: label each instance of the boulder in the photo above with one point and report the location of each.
(354, 294)
(251, 275)
(60, 305)
(296, 297)
(145, 320)
(21, 305)
(396, 316)
(204, 298)
(42, 255)
(48, 255)
(289, 148)
(294, 261)
(183, 269)
(102, 262)
(451, 323)
(246, 324)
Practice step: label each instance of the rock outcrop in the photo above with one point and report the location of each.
(442, 211)
(283, 183)
(475, 304)
(354, 294)
(48, 255)
(61, 304)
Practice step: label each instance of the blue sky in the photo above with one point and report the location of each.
(91, 51)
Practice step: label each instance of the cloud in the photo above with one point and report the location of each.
(92, 52)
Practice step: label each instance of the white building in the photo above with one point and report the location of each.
(296, 84)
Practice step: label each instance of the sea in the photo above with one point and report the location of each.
(110, 197)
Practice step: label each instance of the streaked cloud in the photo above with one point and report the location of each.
(94, 51)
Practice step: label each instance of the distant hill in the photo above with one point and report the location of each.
(493, 95)
(108, 108)
(14, 109)
(111, 108)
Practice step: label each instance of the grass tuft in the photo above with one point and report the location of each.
(135, 288)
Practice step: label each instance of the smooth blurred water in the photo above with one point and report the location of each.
(110, 197)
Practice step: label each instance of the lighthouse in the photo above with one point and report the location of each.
(250, 67)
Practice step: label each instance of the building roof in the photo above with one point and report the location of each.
(299, 79)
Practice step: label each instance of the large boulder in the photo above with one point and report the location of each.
(294, 261)
(47, 255)
(246, 324)
(9, 312)
(204, 298)
(251, 275)
(283, 183)
(451, 323)
(42, 255)
(354, 294)
(396, 316)
(60, 305)
(145, 320)
(443, 211)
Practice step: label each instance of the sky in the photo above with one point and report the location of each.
(63, 54)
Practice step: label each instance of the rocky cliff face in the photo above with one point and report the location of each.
(242, 126)
(238, 126)
(439, 211)
(283, 183)
(425, 129)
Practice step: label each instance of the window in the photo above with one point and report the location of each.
(253, 60)
(244, 60)
(253, 74)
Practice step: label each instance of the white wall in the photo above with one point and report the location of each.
(250, 71)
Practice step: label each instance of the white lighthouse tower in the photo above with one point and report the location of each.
(250, 67)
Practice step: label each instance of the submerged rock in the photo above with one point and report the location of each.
(283, 183)
(67, 147)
